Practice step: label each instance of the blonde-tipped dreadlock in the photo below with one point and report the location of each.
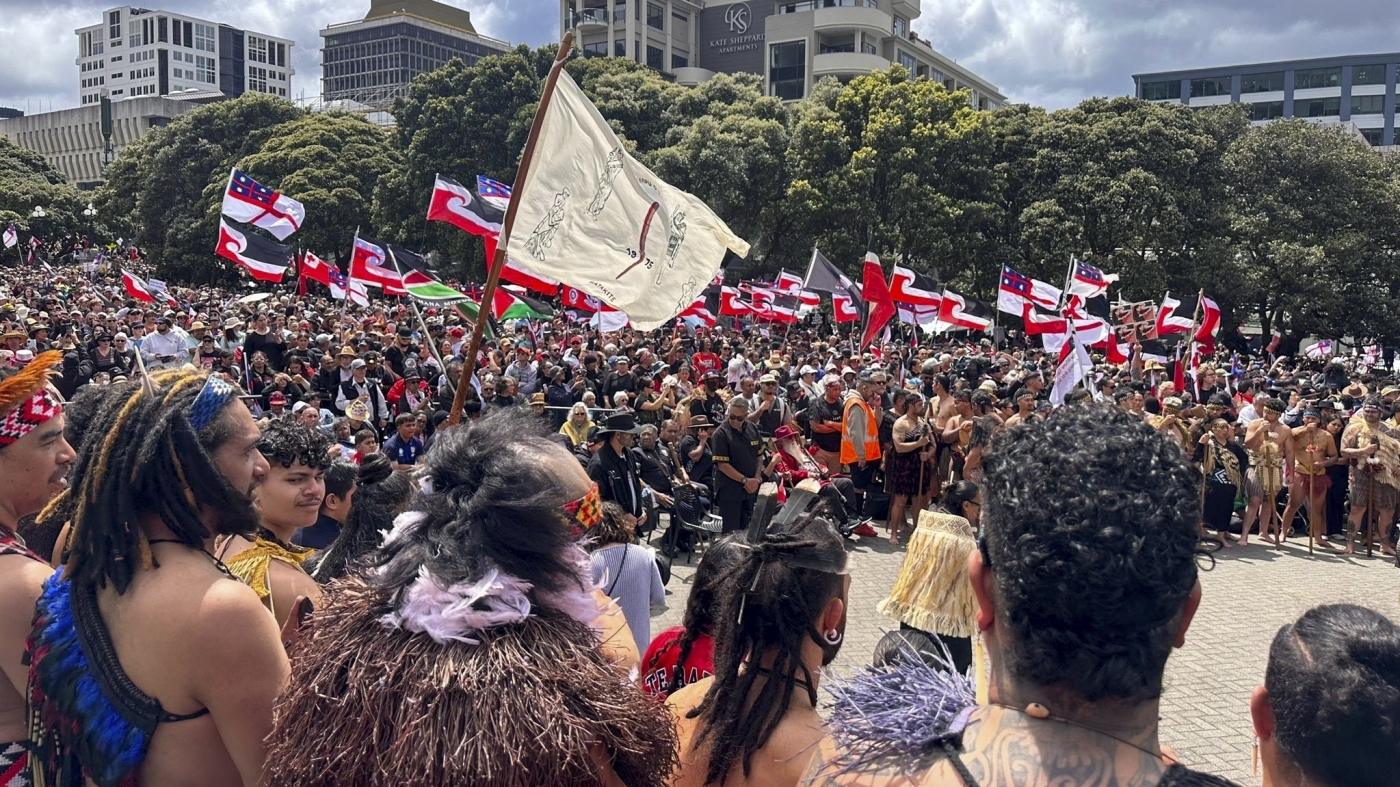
(146, 458)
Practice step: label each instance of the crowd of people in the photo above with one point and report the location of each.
(280, 563)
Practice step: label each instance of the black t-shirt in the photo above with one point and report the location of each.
(394, 356)
(822, 410)
(737, 447)
(267, 344)
(702, 470)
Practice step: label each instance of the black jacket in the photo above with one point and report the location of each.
(619, 479)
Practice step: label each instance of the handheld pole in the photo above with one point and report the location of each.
(1312, 500)
(493, 276)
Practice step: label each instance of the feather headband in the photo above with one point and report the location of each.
(26, 399)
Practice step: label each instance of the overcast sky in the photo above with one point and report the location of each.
(1048, 52)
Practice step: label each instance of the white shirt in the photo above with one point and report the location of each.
(156, 344)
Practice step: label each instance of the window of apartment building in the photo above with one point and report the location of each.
(1368, 105)
(656, 58)
(596, 49)
(1374, 136)
(656, 16)
(134, 26)
(257, 79)
(1162, 91)
(679, 61)
(204, 37)
(205, 67)
(1317, 107)
(1266, 110)
(907, 60)
(620, 48)
(787, 70)
(257, 49)
(1373, 74)
(1305, 78)
(620, 10)
(869, 48)
(282, 55)
(162, 30)
(901, 26)
(114, 25)
(1261, 83)
(1210, 86)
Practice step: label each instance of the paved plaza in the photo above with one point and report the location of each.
(1250, 593)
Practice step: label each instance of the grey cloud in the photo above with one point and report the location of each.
(1049, 52)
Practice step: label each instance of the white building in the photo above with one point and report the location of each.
(137, 52)
(791, 44)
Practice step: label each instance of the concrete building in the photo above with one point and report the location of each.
(1355, 89)
(371, 61)
(137, 52)
(71, 139)
(790, 44)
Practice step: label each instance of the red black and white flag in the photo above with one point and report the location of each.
(369, 264)
(137, 288)
(263, 259)
(1170, 319)
(579, 300)
(1209, 327)
(912, 288)
(249, 202)
(845, 308)
(789, 283)
(699, 311)
(457, 205)
(731, 305)
(963, 312)
(877, 298)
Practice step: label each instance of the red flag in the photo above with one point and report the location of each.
(844, 307)
(517, 275)
(1209, 327)
(315, 268)
(730, 304)
(877, 297)
(137, 288)
(578, 299)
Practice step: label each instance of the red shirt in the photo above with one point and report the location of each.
(660, 660)
(701, 363)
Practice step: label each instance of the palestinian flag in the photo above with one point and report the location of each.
(509, 306)
(419, 282)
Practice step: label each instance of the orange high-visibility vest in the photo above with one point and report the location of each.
(872, 433)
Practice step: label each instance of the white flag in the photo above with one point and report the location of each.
(1075, 364)
(11, 237)
(594, 218)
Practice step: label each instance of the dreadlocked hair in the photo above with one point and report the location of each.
(141, 455)
(495, 504)
(702, 607)
(379, 496)
(768, 606)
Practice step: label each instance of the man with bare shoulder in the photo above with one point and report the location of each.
(1266, 440)
(1311, 450)
(288, 499)
(34, 462)
(1362, 445)
(1076, 655)
(149, 663)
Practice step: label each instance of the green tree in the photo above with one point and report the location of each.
(1314, 230)
(158, 190)
(331, 164)
(28, 181)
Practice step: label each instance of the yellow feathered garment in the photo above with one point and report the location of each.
(932, 592)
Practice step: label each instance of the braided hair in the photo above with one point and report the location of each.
(141, 456)
(702, 608)
(769, 603)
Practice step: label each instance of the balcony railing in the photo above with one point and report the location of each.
(588, 16)
(813, 5)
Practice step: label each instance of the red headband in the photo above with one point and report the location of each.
(29, 415)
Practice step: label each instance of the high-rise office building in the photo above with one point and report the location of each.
(1355, 89)
(138, 52)
(371, 61)
(790, 44)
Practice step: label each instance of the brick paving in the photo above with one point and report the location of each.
(1249, 594)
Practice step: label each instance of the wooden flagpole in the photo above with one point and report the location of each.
(493, 276)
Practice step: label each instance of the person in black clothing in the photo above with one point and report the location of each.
(736, 445)
(269, 342)
(695, 452)
(619, 380)
(825, 416)
(559, 397)
(615, 468)
(657, 470)
(403, 347)
(335, 507)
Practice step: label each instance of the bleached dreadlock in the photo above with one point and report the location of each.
(150, 451)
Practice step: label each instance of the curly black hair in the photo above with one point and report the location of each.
(380, 495)
(286, 443)
(1334, 685)
(702, 606)
(1090, 521)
